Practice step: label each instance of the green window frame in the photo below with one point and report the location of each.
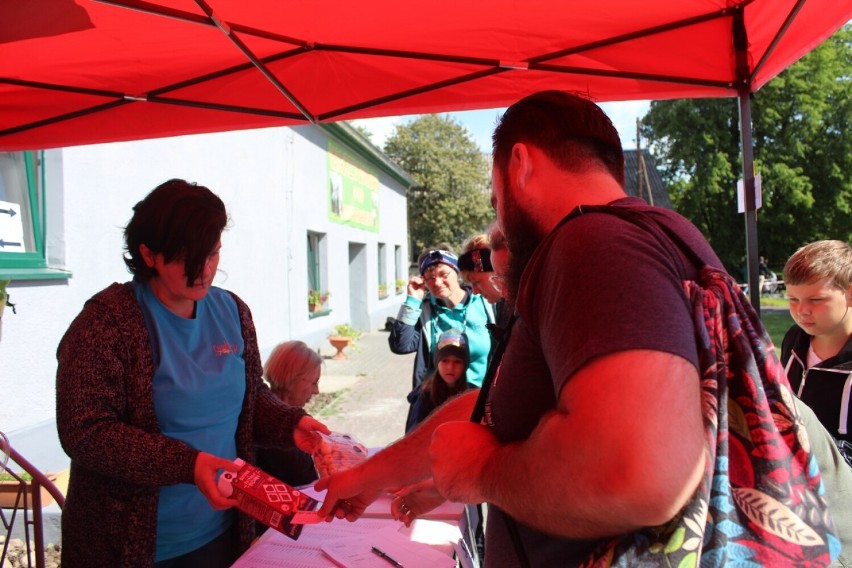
(381, 251)
(313, 262)
(316, 273)
(22, 183)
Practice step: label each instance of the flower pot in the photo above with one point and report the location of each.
(11, 494)
(339, 342)
(313, 308)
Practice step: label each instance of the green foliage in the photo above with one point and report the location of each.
(363, 131)
(452, 200)
(802, 150)
(317, 296)
(4, 296)
(776, 323)
(346, 330)
(21, 474)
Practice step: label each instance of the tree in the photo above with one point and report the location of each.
(452, 199)
(363, 131)
(803, 152)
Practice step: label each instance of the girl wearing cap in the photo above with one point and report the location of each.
(437, 302)
(451, 362)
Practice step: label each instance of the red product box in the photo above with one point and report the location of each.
(265, 498)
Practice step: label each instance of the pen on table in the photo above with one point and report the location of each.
(386, 556)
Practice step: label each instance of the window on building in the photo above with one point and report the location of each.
(383, 270)
(318, 293)
(23, 220)
(21, 213)
(398, 273)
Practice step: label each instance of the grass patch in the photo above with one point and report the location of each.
(22, 474)
(777, 324)
(774, 301)
(324, 403)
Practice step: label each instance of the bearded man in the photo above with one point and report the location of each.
(593, 426)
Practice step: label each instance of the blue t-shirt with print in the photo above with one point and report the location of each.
(198, 387)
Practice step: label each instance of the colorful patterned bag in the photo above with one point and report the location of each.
(760, 502)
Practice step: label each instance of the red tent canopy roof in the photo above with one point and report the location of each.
(85, 72)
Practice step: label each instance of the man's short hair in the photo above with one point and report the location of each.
(570, 129)
(820, 260)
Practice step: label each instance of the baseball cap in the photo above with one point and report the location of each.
(452, 342)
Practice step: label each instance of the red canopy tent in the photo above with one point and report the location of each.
(79, 72)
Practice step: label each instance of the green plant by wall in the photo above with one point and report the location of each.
(346, 330)
(4, 297)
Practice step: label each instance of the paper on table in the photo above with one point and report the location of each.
(317, 535)
(447, 510)
(269, 555)
(356, 552)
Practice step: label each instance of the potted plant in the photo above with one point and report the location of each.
(12, 486)
(4, 301)
(317, 299)
(383, 290)
(4, 297)
(342, 335)
(400, 285)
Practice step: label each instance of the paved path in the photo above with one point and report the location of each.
(374, 383)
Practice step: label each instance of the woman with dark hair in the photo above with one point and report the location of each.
(159, 387)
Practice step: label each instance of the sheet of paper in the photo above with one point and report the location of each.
(429, 540)
(356, 552)
(435, 533)
(316, 535)
(271, 555)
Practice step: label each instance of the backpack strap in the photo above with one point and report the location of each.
(479, 413)
(663, 233)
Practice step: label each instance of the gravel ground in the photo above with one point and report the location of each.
(367, 391)
(16, 554)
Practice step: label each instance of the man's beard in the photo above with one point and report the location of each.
(522, 238)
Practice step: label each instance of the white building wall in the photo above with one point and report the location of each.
(273, 182)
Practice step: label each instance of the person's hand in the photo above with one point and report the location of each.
(305, 435)
(459, 452)
(415, 500)
(348, 494)
(416, 287)
(206, 468)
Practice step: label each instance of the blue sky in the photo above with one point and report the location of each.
(480, 123)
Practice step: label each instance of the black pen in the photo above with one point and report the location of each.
(386, 556)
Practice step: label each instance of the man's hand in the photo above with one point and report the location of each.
(348, 494)
(459, 453)
(305, 435)
(416, 287)
(415, 500)
(206, 468)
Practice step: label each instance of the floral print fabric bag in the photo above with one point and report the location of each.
(760, 501)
